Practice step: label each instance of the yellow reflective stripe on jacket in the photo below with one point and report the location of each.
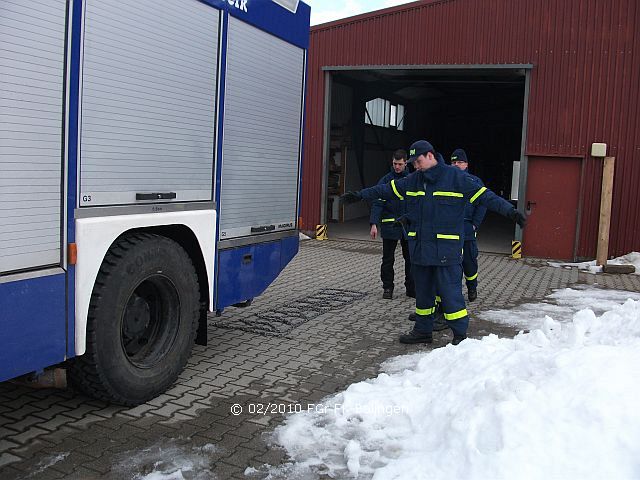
(478, 193)
(385, 220)
(425, 311)
(411, 234)
(472, 277)
(395, 190)
(447, 194)
(438, 299)
(456, 315)
(419, 193)
(448, 237)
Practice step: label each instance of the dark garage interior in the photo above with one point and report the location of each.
(375, 112)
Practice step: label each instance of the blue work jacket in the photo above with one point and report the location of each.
(436, 201)
(473, 214)
(386, 212)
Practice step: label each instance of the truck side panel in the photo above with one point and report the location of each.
(264, 54)
(32, 59)
(32, 322)
(261, 144)
(245, 272)
(148, 102)
(32, 96)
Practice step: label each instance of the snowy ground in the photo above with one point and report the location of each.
(632, 258)
(168, 459)
(558, 402)
(561, 306)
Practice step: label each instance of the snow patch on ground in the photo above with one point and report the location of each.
(561, 306)
(558, 402)
(171, 459)
(632, 258)
(49, 461)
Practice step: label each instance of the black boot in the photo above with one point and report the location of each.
(411, 293)
(387, 294)
(472, 293)
(457, 339)
(416, 337)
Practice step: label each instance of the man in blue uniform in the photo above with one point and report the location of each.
(473, 216)
(436, 196)
(385, 213)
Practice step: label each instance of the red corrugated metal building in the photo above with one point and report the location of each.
(531, 81)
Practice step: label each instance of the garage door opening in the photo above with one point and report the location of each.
(373, 112)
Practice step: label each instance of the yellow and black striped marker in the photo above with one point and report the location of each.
(516, 249)
(321, 232)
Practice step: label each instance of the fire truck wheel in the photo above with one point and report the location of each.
(142, 321)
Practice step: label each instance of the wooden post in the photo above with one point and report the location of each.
(605, 211)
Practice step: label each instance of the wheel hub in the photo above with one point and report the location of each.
(150, 321)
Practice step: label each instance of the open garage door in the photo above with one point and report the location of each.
(375, 111)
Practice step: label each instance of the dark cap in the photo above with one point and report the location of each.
(419, 148)
(459, 155)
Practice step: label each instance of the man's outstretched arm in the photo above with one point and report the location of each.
(485, 197)
(396, 189)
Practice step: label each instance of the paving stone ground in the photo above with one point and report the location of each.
(49, 434)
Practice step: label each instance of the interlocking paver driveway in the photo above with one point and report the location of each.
(315, 351)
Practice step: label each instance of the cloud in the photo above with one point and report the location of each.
(393, 3)
(323, 11)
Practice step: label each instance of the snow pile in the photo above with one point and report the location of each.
(561, 305)
(632, 258)
(559, 402)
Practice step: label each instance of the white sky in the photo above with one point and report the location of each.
(323, 11)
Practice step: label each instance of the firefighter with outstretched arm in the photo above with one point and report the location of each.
(436, 196)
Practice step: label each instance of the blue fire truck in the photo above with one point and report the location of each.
(149, 173)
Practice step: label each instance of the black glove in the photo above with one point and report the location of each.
(519, 218)
(350, 197)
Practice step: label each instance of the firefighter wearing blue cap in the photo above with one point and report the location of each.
(436, 196)
(473, 215)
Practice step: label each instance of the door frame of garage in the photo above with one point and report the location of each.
(326, 131)
(328, 81)
(524, 159)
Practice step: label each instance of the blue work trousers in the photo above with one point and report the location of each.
(445, 281)
(470, 263)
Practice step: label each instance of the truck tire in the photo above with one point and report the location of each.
(142, 321)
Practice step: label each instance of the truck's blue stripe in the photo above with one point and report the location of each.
(73, 159)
